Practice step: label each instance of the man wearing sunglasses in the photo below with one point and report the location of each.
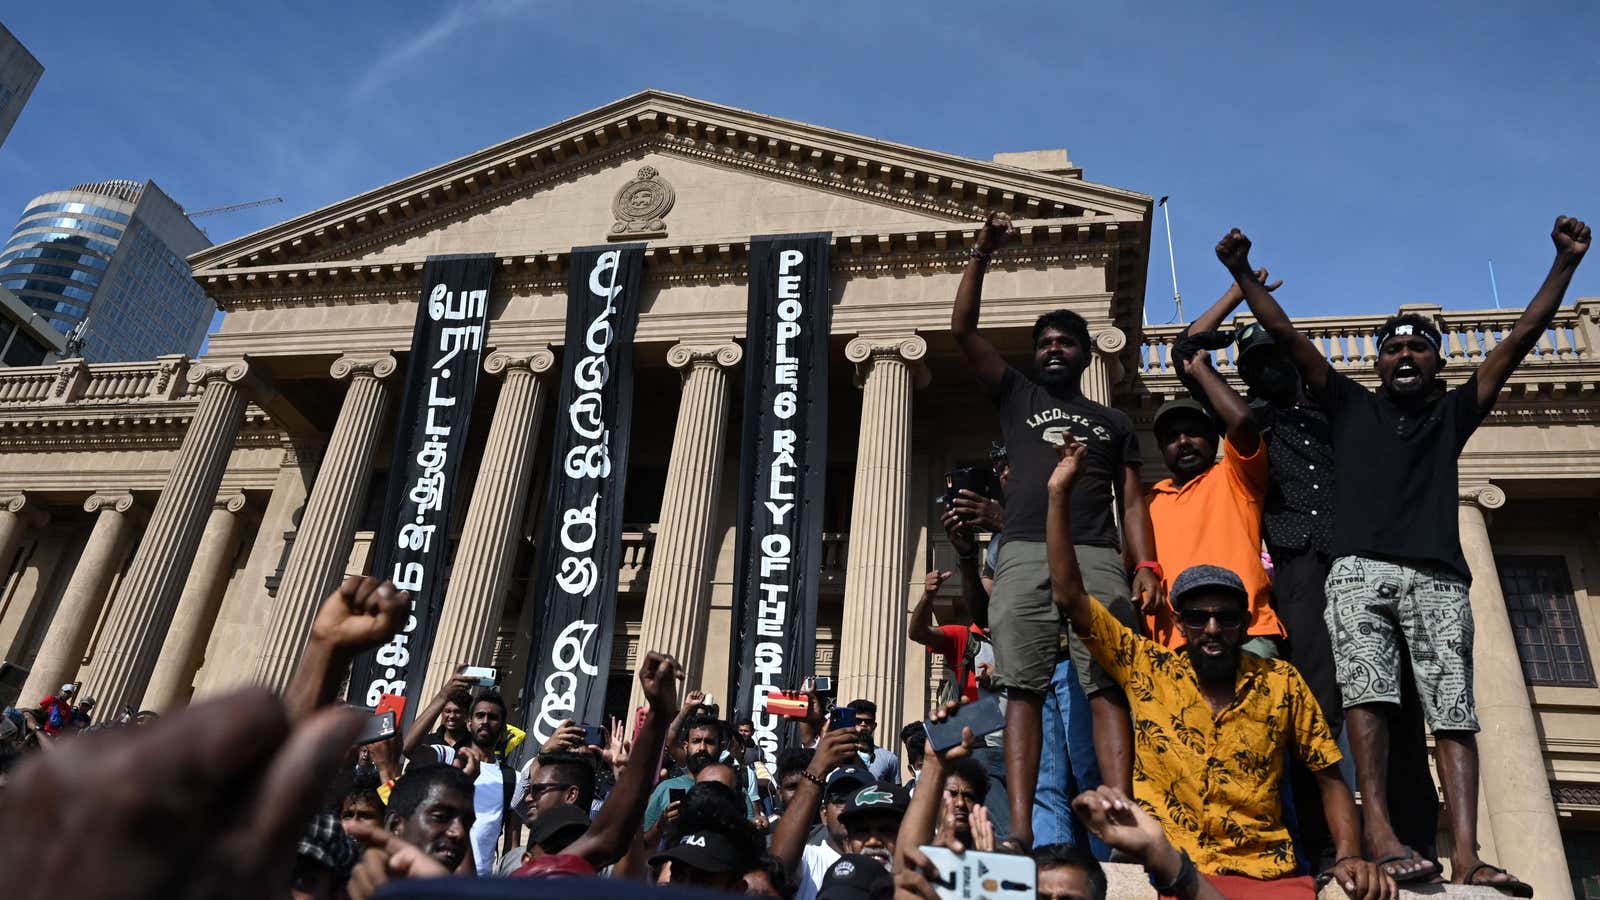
(1213, 725)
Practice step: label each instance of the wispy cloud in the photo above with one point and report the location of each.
(394, 60)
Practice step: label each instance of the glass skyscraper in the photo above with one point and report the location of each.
(110, 256)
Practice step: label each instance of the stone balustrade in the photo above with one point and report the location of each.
(1348, 343)
(73, 381)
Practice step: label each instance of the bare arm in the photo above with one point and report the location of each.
(789, 838)
(1234, 251)
(921, 820)
(428, 716)
(1212, 319)
(1243, 431)
(619, 817)
(1066, 581)
(1148, 591)
(1125, 826)
(1361, 879)
(980, 353)
(1571, 238)
(973, 606)
(360, 614)
(919, 628)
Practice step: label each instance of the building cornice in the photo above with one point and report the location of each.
(881, 171)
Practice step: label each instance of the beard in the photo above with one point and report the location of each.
(1213, 668)
(698, 761)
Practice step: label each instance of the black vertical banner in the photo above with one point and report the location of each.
(582, 544)
(412, 540)
(782, 464)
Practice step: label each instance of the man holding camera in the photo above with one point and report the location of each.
(1036, 412)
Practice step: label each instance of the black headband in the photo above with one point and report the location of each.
(1406, 328)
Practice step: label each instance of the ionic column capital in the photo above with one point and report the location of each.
(687, 355)
(1110, 340)
(536, 360)
(1483, 495)
(379, 367)
(13, 503)
(234, 502)
(18, 505)
(867, 350)
(110, 500)
(235, 372)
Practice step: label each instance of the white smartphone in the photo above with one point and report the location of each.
(982, 876)
(483, 675)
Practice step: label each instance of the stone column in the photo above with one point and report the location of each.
(149, 594)
(678, 600)
(322, 544)
(1522, 815)
(173, 679)
(61, 652)
(16, 519)
(1105, 365)
(481, 570)
(877, 571)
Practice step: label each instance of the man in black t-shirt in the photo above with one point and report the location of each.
(1398, 572)
(1037, 412)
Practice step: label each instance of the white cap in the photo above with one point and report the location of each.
(67, 688)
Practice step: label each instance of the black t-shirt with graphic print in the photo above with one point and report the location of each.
(1028, 412)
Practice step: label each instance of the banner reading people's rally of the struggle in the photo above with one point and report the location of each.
(411, 546)
(781, 469)
(581, 548)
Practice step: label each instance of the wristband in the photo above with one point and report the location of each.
(1186, 873)
(980, 255)
(1153, 566)
(816, 780)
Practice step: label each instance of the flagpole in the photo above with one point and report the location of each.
(1172, 264)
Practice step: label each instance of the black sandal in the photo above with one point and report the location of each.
(1432, 870)
(1516, 887)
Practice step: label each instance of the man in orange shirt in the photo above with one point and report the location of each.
(1209, 512)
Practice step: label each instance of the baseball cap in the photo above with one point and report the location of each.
(1252, 337)
(68, 688)
(1181, 405)
(856, 877)
(564, 824)
(879, 797)
(1196, 579)
(707, 851)
(847, 778)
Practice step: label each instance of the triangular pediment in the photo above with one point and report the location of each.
(731, 173)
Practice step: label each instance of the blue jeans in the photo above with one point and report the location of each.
(1067, 765)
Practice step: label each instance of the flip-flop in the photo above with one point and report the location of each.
(1423, 874)
(1515, 887)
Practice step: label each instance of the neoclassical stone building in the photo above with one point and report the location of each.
(167, 528)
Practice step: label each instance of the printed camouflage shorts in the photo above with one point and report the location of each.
(1373, 605)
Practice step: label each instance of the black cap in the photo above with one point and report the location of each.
(848, 778)
(875, 798)
(1251, 337)
(707, 851)
(555, 828)
(1180, 405)
(1197, 579)
(856, 877)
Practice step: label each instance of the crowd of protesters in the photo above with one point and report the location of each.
(1178, 668)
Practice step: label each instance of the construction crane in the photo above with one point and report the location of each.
(217, 210)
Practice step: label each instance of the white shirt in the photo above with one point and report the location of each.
(488, 801)
(815, 861)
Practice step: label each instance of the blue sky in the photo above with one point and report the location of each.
(1379, 154)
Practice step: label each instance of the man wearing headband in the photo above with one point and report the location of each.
(1398, 573)
(1297, 528)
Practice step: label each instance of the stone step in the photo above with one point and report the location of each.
(1125, 881)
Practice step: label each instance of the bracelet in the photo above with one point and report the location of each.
(814, 779)
(1153, 566)
(1344, 859)
(1186, 873)
(980, 255)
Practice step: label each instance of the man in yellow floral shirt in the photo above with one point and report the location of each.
(1212, 724)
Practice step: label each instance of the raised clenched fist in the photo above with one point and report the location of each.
(996, 229)
(1234, 251)
(1571, 236)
